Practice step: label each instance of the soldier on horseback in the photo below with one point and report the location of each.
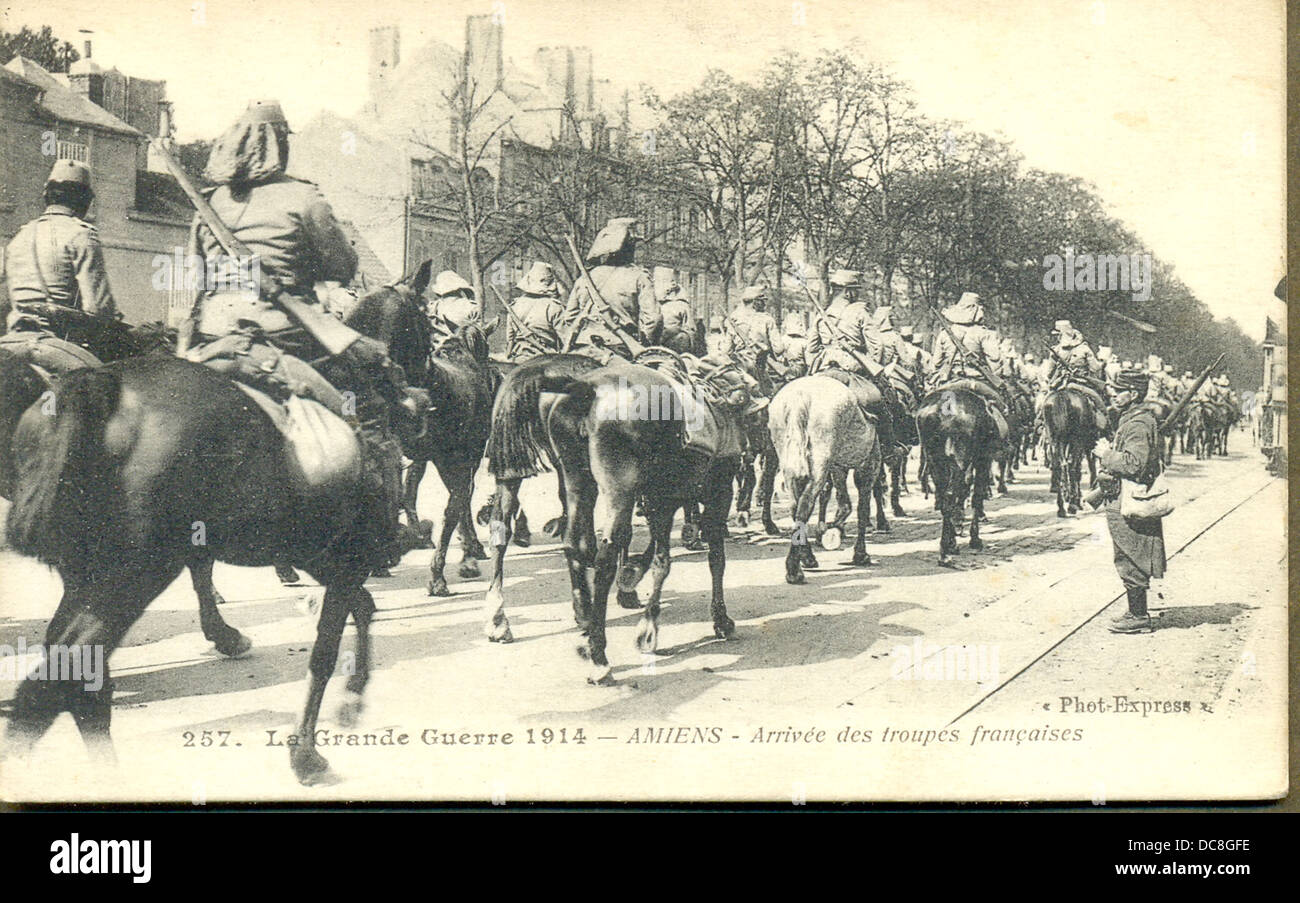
(754, 336)
(677, 334)
(535, 327)
(56, 258)
(794, 357)
(627, 289)
(453, 306)
(290, 230)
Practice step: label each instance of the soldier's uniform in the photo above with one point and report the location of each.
(453, 307)
(538, 308)
(288, 226)
(831, 337)
(794, 357)
(678, 333)
(1139, 544)
(56, 258)
(961, 366)
(912, 355)
(1072, 356)
(627, 288)
(754, 335)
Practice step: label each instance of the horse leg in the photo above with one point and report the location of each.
(410, 492)
(660, 520)
(713, 527)
(745, 489)
(897, 481)
(979, 488)
(877, 494)
(308, 764)
(843, 503)
(617, 532)
(556, 526)
(90, 622)
(804, 490)
(358, 668)
(497, 627)
(945, 490)
(633, 568)
(229, 641)
(523, 537)
(863, 478)
(766, 487)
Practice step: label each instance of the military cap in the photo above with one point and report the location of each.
(846, 279)
(265, 112)
(1130, 380)
(616, 235)
(753, 293)
(539, 280)
(70, 172)
(449, 282)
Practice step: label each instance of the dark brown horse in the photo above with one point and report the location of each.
(461, 383)
(145, 459)
(958, 439)
(607, 443)
(1071, 429)
(520, 447)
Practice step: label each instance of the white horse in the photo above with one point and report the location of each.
(819, 432)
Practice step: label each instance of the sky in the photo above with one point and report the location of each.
(1174, 109)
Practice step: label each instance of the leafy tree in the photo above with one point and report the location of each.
(41, 47)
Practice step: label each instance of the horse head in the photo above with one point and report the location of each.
(394, 314)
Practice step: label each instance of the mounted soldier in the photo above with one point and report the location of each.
(794, 357)
(247, 333)
(1072, 361)
(453, 307)
(1110, 365)
(754, 336)
(975, 361)
(535, 327)
(678, 333)
(627, 289)
(824, 339)
(55, 261)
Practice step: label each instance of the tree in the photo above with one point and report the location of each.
(41, 47)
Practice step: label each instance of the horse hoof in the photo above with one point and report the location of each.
(438, 588)
(628, 599)
(771, 529)
(883, 528)
(484, 516)
(499, 633)
(690, 535)
(948, 563)
(647, 638)
(809, 560)
(469, 570)
(350, 710)
(309, 766)
(861, 561)
(832, 538)
(628, 577)
(975, 544)
(235, 646)
(724, 629)
(381, 572)
(899, 512)
(742, 518)
(288, 576)
(795, 579)
(523, 539)
(601, 676)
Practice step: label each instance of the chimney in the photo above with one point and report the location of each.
(385, 54)
(87, 46)
(484, 62)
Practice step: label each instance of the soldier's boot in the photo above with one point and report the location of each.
(1136, 619)
(383, 483)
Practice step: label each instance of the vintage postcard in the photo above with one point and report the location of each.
(710, 401)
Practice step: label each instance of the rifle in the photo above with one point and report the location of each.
(607, 314)
(333, 335)
(960, 350)
(1168, 423)
(514, 317)
(873, 369)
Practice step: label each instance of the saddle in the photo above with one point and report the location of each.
(322, 449)
(1099, 404)
(702, 392)
(865, 392)
(994, 403)
(51, 356)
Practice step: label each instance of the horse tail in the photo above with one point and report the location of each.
(56, 483)
(791, 440)
(517, 446)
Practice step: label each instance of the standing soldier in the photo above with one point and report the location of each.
(1134, 455)
(538, 309)
(754, 335)
(625, 287)
(56, 258)
(452, 307)
(677, 333)
(287, 225)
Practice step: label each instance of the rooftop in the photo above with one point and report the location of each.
(63, 103)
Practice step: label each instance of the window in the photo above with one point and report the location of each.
(72, 150)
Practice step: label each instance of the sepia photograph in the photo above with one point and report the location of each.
(575, 401)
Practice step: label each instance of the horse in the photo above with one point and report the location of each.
(519, 447)
(23, 386)
(607, 443)
(958, 437)
(1070, 428)
(461, 383)
(818, 429)
(143, 457)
